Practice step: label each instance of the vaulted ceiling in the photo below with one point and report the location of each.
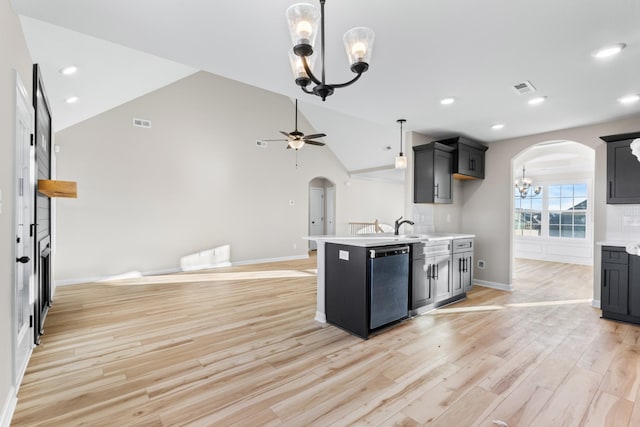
(425, 50)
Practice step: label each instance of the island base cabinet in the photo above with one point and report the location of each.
(366, 289)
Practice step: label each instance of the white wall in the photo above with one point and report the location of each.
(194, 181)
(13, 55)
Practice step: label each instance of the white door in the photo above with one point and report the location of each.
(331, 211)
(24, 265)
(316, 214)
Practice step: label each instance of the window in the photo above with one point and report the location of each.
(528, 214)
(559, 211)
(567, 210)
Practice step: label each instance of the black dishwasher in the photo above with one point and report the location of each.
(366, 289)
(388, 282)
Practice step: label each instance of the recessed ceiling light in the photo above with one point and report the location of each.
(497, 126)
(537, 100)
(629, 99)
(67, 71)
(71, 100)
(447, 101)
(608, 51)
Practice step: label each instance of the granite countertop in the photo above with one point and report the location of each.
(384, 239)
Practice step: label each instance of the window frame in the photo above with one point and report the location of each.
(545, 223)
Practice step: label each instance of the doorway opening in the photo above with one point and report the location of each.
(322, 208)
(552, 208)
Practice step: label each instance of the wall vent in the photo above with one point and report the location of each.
(142, 123)
(260, 143)
(524, 87)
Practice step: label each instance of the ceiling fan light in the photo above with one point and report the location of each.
(303, 21)
(358, 43)
(296, 144)
(401, 161)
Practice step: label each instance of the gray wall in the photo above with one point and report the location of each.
(195, 180)
(13, 55)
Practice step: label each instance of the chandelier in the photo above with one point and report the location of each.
(303, 26)
(524, 184)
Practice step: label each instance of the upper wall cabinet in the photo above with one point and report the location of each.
(432, 173)
(468, 157)
(623, 169)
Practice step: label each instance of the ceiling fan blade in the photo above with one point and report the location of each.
(285, 134)
(314, 136)
(314, 142)
(275, 140)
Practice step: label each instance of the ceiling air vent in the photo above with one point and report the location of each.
(524, 87)
(142, 123)
(260, 143)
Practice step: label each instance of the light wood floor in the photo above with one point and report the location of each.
(239, 346)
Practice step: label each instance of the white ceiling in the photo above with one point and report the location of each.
(425, 50)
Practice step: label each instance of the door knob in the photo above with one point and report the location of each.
(23, 259)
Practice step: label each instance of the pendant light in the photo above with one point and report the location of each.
(524, 184)
(401, 160)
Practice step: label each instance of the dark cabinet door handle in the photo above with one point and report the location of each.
(604, 279)
(460, 268)
(610, 189)
(464, 265)
(23, 259)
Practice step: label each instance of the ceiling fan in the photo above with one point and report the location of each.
(297, 139)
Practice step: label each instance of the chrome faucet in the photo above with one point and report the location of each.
(399, 223)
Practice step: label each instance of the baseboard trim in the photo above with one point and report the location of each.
(595, 303)
(8, 408)
(321, 317)
(493, 285)
(136, 274)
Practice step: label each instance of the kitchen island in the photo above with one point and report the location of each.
(360, 248)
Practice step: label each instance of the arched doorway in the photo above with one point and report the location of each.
(552, 221)
(322, 208)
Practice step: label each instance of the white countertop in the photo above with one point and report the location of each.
(620, 243)
(384, 239)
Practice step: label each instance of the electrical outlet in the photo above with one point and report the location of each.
(481, 264)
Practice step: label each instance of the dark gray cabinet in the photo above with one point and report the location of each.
(620, 285)
(623, 170)
(432, 173)
(468, 157)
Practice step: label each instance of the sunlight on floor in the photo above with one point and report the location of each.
(505, 306)
(211, 277)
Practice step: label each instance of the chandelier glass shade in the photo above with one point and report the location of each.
(303, 20)
(401, 160)
(524, 184)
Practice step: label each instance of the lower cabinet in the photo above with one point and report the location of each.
(440, 283)
(462, 268)
(620, 285)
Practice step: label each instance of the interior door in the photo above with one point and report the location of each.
(316, 213)
(24, 266)
(330, 213)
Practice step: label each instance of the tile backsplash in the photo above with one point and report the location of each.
(423, 218)
(623, 222)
